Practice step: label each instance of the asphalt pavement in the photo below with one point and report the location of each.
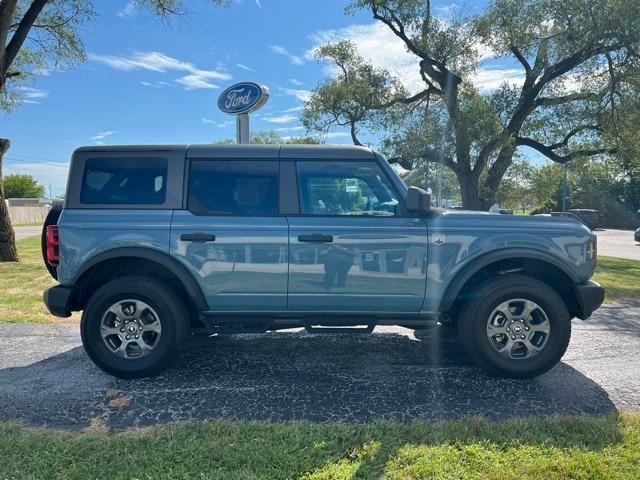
(618, 243)
(47, 380)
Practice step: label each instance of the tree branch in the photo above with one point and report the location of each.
(548, 152)
(572, 97)
(521, 58)
(20, 35)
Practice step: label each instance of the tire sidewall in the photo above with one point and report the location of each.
(99, 352)
(553, 307)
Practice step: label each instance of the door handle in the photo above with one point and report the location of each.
(315, 238)
(197, 237)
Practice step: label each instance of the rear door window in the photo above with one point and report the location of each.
(232, 187)
(124, 181)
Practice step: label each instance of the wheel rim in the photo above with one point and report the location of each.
(518, 329)
(130, 329)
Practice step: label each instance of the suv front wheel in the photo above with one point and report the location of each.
(514, 326)
(132, 326)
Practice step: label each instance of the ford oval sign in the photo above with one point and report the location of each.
(243, 97)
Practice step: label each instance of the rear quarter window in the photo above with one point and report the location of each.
(124, 181)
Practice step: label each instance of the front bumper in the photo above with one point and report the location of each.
(59, 300)
(590, 296)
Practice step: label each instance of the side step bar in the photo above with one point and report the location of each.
(322, 329)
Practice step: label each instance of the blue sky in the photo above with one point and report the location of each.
(146, 82)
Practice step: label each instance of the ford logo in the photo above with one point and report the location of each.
(243, 97)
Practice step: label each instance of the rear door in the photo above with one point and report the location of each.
(231, 235)
(351, 247)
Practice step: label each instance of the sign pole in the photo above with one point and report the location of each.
(242, 128)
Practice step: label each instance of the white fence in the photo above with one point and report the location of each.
(28, 214)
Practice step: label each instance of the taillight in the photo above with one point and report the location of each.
(53, 245)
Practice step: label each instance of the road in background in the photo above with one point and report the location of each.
(27, 231)
(618, 243)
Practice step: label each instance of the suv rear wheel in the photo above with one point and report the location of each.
(516, 326)
(132, 326)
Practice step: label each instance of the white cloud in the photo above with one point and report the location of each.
(284, 118)
(280, 50)
(299, 108)
(244, 67)
(32, 95)
(259, 3)
(102, 135)
(296, 82)
(151, 84)
(380, 47)
(289, 129)
(300, 94)
(337, 134)
(488, 79)
(159, 62)
(208, 121)
(129, 11)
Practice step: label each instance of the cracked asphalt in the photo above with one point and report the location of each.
(47, 380)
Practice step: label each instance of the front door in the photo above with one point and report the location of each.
(351, 249)
(231, 236)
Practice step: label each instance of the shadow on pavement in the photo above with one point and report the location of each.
(293, 376)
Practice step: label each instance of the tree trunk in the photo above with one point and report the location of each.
(8, 252)
(469, 191)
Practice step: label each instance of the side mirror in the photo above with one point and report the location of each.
(418, 201)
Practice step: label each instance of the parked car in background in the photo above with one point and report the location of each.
(153, 240)
(636, 235)
(591, 218)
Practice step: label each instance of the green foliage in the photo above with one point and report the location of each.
(22, 186)
(271, 137)
(357, 97)
(578, 58)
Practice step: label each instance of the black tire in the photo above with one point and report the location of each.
(475, 313)
(172, 314)
(51, 219)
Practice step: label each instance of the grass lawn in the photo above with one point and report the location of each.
(22, 284)
(550, 448)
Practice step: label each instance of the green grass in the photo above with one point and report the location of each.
(22, 283)
(619, 277)
(550, 448)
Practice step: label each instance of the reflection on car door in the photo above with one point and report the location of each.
(231, 237)
(351, 249)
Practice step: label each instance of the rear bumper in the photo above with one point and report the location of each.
(59, 300)
(590, 296)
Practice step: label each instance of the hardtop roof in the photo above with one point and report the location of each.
(338, 152)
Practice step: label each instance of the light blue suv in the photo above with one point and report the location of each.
(153, 240)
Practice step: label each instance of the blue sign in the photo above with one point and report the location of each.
(243, 97)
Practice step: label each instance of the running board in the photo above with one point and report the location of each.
(321, 329)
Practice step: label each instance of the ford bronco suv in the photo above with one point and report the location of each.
(154, 240)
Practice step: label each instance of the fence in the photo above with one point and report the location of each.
(23, 214)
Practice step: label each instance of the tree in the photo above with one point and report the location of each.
(37, 36)
(575, 56)
(22, 186)
(271, 137)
